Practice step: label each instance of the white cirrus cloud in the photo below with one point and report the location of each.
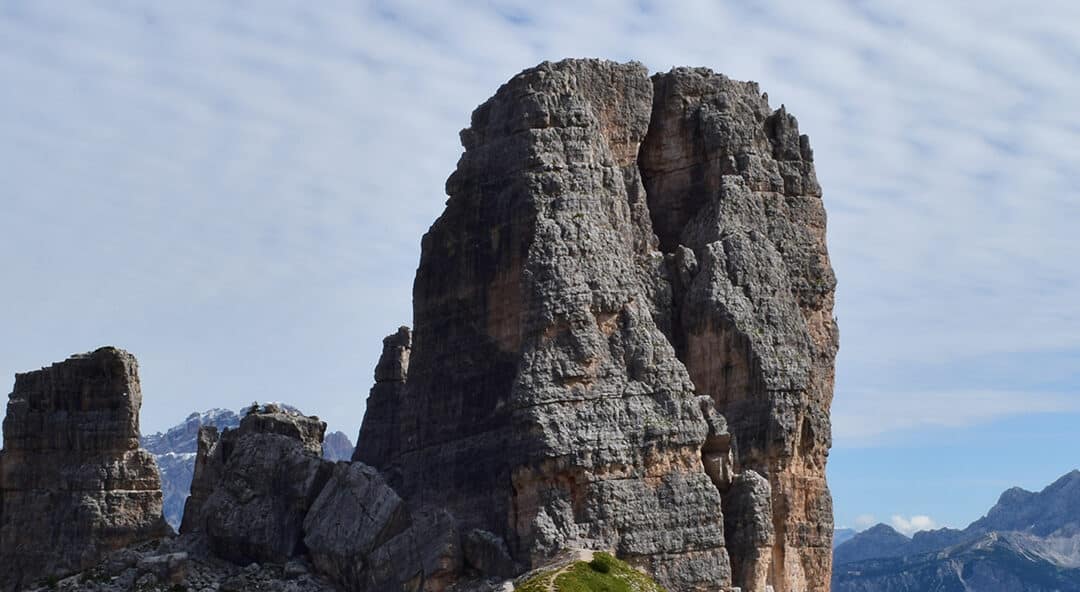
(237, 195)
(866, 418)
(864, 521)
(909, 526)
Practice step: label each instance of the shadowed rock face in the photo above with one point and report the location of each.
(618, 259)
(74, 483)
(380, 432)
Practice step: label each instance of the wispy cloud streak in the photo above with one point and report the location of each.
(236, 191)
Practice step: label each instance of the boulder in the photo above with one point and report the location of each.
(253, 486)
(361, 535)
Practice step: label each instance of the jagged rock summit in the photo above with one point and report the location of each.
(74, 483)
(623, 263)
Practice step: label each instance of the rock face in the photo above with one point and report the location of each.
(253, 485)
(175, 452)
(736, 204)
(74, 483)
(263, 493)
(748, 524)
(379, 434)
(620, 262)
(379, 544)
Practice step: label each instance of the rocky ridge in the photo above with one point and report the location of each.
(1028, 542)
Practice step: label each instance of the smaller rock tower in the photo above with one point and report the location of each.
(74, 483)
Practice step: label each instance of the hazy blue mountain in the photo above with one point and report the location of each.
(337, 446)
(1028, 542)
(842, 535)
(175, 452)
(873, 543)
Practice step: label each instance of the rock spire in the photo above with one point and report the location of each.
(623, 264)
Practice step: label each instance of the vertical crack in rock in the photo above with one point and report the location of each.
(74, 483)
(737, 210)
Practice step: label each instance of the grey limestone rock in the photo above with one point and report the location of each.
(733, 181)
(616, 251)
(74, 484)
(748, 524)
(254, 485)
(361, 535)
(487, 554)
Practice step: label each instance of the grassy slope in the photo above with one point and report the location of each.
(604, 573)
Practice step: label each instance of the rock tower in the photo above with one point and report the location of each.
(624, 263)
(74, 483)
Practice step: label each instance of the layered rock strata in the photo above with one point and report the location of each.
(619, 260)
(74, 483)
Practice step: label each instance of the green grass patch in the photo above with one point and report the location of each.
(604, 573)
(537, 583)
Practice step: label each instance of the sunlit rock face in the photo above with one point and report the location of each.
(621, 261)
(736, 205)
(74, 483)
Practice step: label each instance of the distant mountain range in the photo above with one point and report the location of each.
(175, 452)
(1028, 542)
(842, 535)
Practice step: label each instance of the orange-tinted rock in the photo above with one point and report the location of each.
(731, 187)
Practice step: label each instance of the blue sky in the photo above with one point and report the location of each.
(235, 192)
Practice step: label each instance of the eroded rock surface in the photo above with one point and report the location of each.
(253, 485)
(74, 483)
(737, 208)
(748, 524)
(619, 260)
(362, 535)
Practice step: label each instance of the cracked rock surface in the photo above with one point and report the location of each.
(620, 259)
